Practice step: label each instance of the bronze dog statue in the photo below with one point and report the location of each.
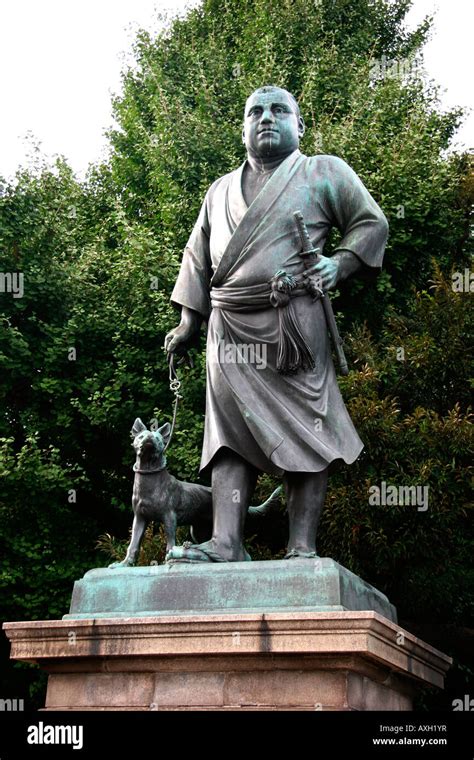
(159, 496)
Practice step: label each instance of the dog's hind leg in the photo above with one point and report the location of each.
(138, 530)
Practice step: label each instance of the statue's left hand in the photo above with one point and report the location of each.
(324, 275)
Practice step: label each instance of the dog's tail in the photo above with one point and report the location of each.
(268, 506)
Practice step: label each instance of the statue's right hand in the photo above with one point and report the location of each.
(177, 338)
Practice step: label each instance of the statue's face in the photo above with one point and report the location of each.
(271, 126)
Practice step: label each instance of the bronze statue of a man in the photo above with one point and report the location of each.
(260, 417)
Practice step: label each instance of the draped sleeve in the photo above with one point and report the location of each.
(192, 285)
(351, 208)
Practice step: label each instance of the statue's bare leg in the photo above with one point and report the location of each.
(305, 494)
(233, 483)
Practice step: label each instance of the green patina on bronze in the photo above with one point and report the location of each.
(303, 585)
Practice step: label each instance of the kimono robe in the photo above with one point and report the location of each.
(277, 422)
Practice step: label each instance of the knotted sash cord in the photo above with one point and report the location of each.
(293, 351)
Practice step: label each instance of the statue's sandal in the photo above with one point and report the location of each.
(297, 554)
(190, 553)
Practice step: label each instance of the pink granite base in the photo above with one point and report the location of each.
(277, 661)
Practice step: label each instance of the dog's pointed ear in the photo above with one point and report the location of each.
(138, 427)
(165, 432)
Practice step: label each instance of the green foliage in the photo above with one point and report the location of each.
(100, 257)
(153, 548)
(181, 110)
(416, 423)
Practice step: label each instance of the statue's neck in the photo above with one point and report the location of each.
(266, 164)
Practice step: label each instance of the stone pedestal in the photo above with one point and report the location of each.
(279, 635)
(274, 661)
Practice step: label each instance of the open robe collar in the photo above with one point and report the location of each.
(248, 219)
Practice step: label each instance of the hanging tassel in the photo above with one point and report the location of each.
(293, 351)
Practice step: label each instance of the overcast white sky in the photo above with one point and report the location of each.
(61, 60)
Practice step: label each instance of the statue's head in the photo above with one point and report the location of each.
(273, 124)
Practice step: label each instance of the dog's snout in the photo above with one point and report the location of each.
(147, 441)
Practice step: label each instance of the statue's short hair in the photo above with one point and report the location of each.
(270, 87)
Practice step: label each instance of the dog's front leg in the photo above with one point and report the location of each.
(138, 530)
(170, 524)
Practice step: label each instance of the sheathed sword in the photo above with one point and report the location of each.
(310, 256)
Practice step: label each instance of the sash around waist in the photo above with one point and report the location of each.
(250, 298)
(293, 353)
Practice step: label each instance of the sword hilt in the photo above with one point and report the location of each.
(307, 246)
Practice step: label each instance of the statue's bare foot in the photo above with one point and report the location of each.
(209, 551)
